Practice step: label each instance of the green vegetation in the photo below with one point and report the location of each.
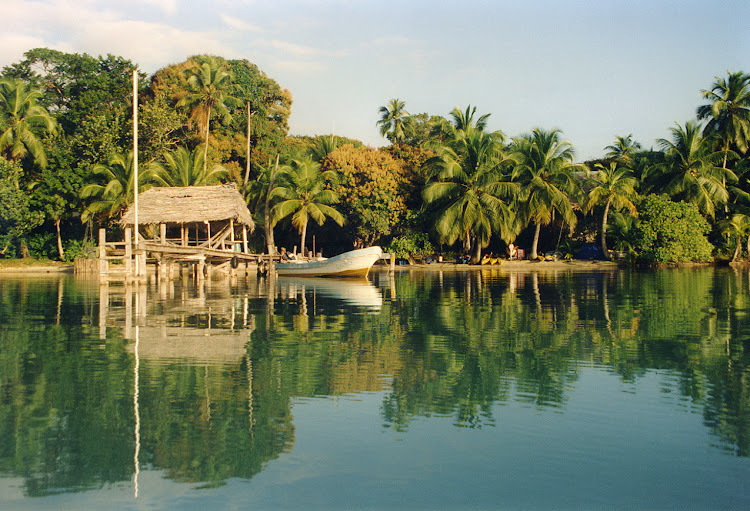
(65, 133)
(671, 231)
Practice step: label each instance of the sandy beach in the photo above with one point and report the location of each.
(520, 266)
(526, 265)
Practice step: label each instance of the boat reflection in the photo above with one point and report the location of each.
(357, 292)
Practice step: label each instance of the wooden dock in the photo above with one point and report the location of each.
(165, 258)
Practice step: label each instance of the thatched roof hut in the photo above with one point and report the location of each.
(190, 204)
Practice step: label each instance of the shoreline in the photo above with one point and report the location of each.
(34, 269)
(520, 266)
(526, 265)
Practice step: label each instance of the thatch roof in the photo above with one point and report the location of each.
(189, 204)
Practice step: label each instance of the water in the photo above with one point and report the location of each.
(455, 390)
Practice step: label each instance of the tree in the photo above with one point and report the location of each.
(22, 122)
(614, 187)
(303, 193)
(269, 106)
(422, 128)
(464, 121)
(159, 128)
(736, 226)
(545, 172)
(17, 218)
(466, 182)
(728, 112)
(209, 84)
(671, 231)
(114, 192)
(184, 168)
(691, 169)
(370, 186)
(623, 150)
(393, 120)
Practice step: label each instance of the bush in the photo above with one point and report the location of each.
(43, 245)
(414, 244)
(670, 231)
(78, 248)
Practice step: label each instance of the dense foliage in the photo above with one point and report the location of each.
(671, 231)
(66, 132)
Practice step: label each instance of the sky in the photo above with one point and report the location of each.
(594, 69)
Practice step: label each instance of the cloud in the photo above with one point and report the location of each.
(298, 50)
(239, 24)
(151, 45)
(83, 27)
(13, 46)
(168, 6)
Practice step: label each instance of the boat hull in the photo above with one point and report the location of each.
(356, 263)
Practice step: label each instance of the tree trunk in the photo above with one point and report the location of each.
(724, 176)
(477, 254)
(604, 230)
(467, 243)
(302, 240)
(205, 149)
(737, 248)
(247, 164)
(59, 240)
(267, 213)
(535, 243)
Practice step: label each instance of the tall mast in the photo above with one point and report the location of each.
(135, 164)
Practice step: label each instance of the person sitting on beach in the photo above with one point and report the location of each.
(512, 252)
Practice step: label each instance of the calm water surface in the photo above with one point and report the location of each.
(457, 390)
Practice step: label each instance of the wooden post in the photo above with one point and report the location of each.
(231, 232)
(183, 236)
(128, 251)
(103, 263)
(103, 307)
(200, 268)
(163, 234)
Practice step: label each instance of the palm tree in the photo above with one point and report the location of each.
(614, 187)
(302, 193)
(728, 112)
(115, 191)
(209, 83)
(22, 122)
(465, 120)
(545, 171)
(393, 119)
(466, 182)
(185, 168)
(623, 150)
(736, 226)
(691, 168)
(323, 147)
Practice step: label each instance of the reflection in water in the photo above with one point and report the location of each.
(137, 414)
(100, 384)
(351, 291)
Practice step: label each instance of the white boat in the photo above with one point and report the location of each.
(356, 263)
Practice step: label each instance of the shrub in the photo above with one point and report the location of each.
(670, 231)
(78, 248)
(415, 244)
